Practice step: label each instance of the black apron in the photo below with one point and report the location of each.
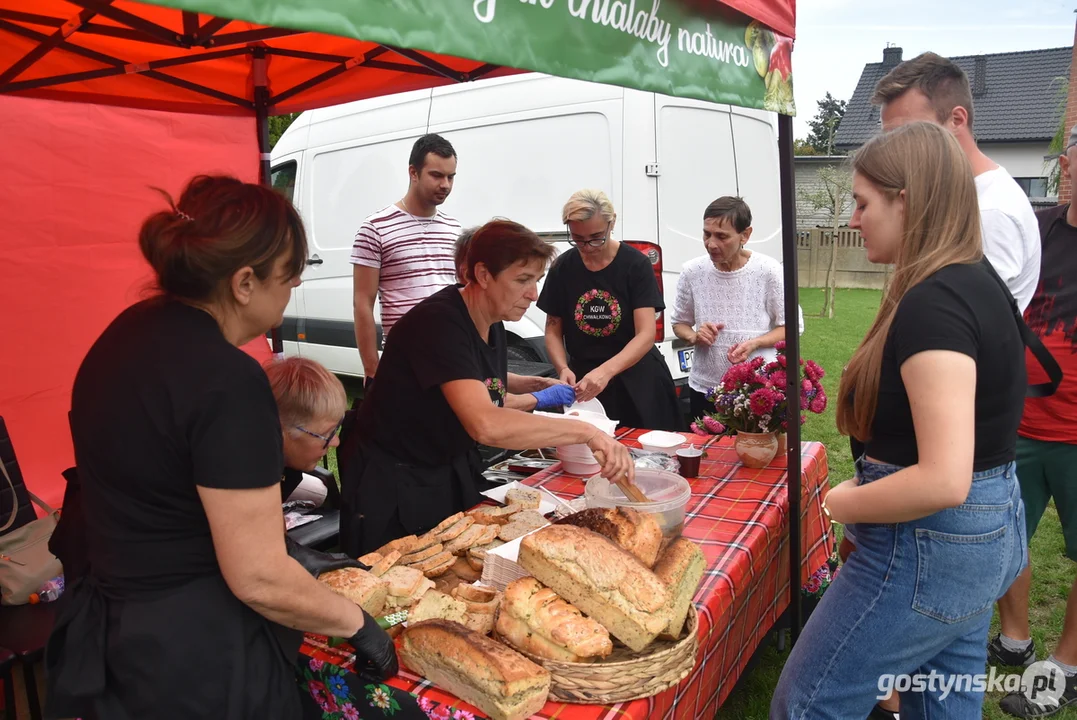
(192, 652)
(383, 498)
(643, 396)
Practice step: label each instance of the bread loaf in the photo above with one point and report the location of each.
(535, 619)
(502, 683)
(636, 532)
(680, 568)
(362, 588)
(601, 579)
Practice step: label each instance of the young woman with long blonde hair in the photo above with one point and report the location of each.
(931, 399)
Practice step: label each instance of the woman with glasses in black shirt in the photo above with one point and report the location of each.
(601, 301)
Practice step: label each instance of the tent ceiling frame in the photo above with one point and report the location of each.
(206, 35)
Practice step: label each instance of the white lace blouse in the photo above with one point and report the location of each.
(749, 301)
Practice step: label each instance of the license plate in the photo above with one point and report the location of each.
(685, 357)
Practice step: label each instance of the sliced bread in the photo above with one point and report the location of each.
(527, 498)
(456, 529)
(436, 565)
(403, 581)
(493, 515)
(467, 539)
(436, 604)
(524, 522)
(680, 567)
(387, 561)
(424, 554)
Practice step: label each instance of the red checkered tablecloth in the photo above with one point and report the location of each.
(739, 517)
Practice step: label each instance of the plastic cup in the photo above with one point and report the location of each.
(688, 459)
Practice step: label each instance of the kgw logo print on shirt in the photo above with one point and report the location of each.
(598, 313)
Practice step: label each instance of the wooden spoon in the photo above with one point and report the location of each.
(631, 492)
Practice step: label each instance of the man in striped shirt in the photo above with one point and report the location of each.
(405, 251)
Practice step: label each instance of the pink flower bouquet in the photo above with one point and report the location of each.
(752, 399)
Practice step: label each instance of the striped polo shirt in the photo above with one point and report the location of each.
(414, 255)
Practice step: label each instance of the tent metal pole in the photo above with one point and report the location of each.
(792, 353)
(261, 118)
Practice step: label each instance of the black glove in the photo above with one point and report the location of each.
(375, 654)
(316, 562)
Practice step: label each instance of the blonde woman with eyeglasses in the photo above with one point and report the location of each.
(601, 301)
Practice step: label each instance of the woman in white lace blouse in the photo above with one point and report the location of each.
(730, 305)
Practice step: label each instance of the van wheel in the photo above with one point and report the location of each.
(519, 351)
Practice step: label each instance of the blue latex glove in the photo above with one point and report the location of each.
(554, 396)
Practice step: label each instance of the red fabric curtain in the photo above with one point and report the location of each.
(75, 189)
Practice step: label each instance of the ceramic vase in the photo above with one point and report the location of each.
(756, 450)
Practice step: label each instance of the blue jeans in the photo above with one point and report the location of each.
(913, 598)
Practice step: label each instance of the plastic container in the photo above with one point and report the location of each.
(669, 494)
(662, 441)
(578, 459)
(48, 592)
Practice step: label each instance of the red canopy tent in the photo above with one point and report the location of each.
(255, 58)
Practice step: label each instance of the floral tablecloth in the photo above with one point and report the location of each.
(739, 516)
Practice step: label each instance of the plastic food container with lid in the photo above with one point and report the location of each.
(668, 492)
(662, 441)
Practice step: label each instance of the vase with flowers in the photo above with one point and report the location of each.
(751, 402)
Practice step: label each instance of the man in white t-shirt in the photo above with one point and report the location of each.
(929, 87)
(405, 252)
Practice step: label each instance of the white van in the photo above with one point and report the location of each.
(524, 143)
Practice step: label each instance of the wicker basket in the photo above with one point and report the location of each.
(624, 675)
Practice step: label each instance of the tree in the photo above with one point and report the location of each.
(803, 147)
(833, 197)
(1052, 167)
(825, 124)
(277, 125)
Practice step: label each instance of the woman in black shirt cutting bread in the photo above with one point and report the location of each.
(933, 396)
(441, 390)
(601, 300)
(191, 607)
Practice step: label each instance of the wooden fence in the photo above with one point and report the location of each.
(854, 270)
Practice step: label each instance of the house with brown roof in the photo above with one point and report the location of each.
(1018, 101)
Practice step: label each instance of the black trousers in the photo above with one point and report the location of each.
(699, 403)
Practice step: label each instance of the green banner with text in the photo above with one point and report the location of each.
(686, 48)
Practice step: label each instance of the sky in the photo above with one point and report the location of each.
(836, 38)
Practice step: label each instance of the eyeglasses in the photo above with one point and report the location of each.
(327, 438)
(590, 243)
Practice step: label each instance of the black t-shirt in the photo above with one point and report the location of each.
(162, 403)
(435, 342)
(596, 307)
(959, 308)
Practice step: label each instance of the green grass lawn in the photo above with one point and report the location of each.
(831, 343)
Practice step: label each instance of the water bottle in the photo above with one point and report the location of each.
(49, 591)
